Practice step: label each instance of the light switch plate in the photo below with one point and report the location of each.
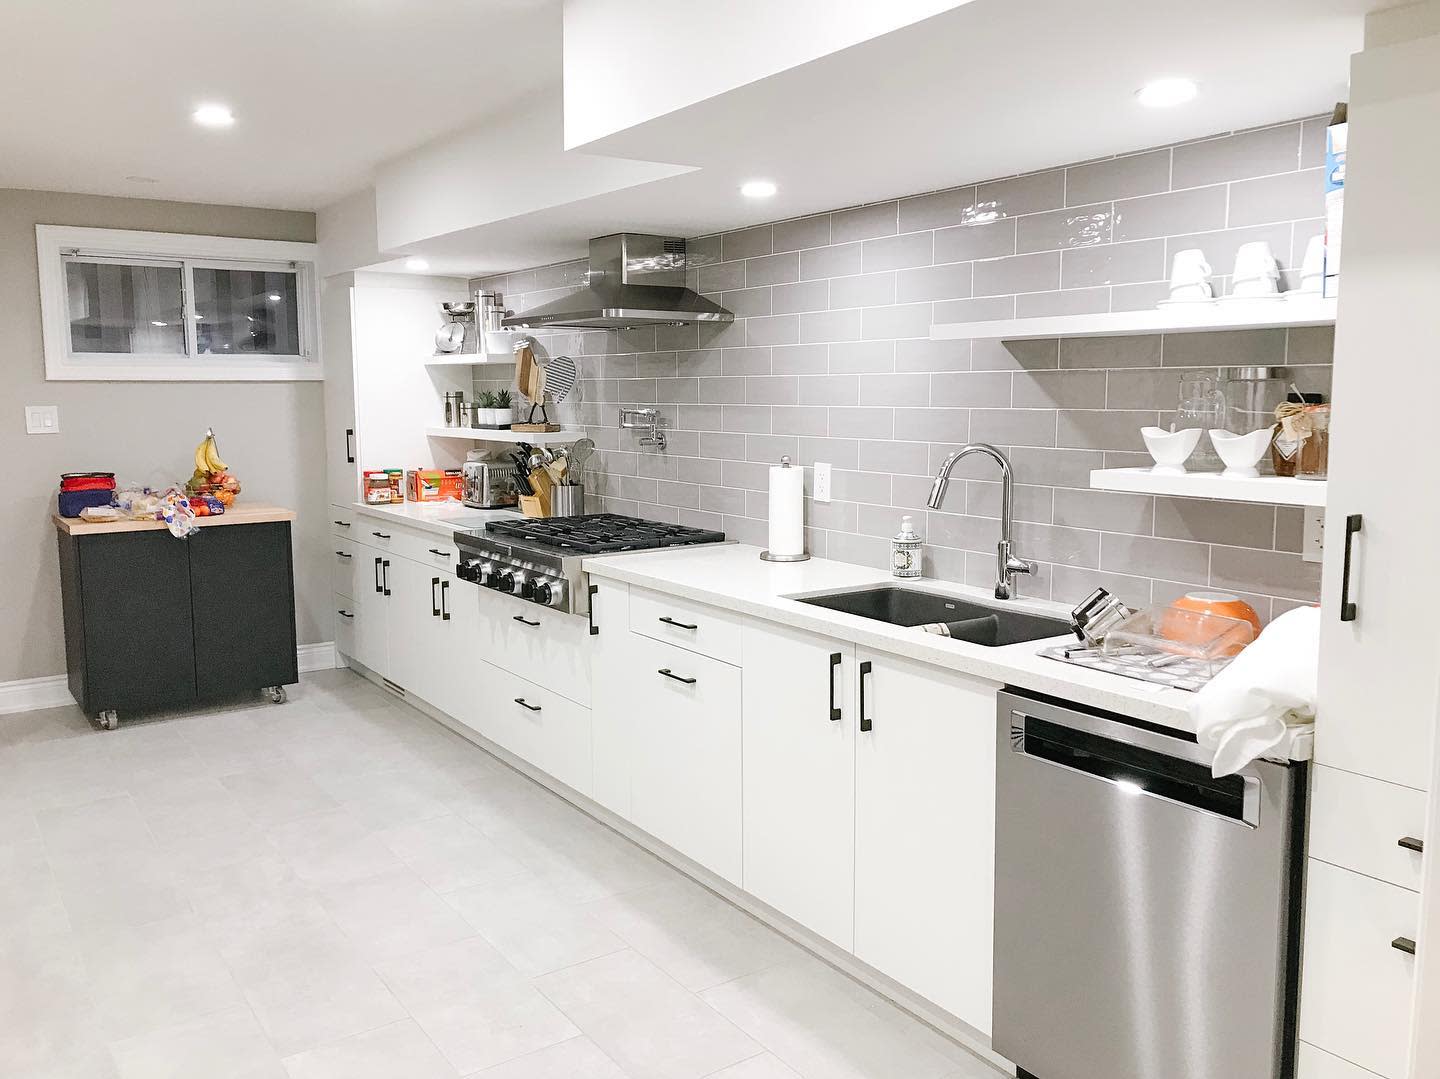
(1312, 547)
(822, 481)
(42, 419)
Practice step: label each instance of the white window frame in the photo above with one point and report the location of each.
(54, 242)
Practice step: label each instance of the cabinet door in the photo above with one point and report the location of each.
(685, 778)
(612, 670)
(341, 438)
(798, 763)
(372, 614)
(925, 831)
(242, 593)
(414, 626)
(138, 635)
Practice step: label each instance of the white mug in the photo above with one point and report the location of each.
(1256, 271)
(1312, 270)
(1190, 276)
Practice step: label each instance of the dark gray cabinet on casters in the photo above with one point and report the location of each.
(154, 622)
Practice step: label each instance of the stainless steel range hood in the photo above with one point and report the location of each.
(634, 280)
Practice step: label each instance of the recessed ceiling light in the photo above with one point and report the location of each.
(416, 264)
(213, 116)
(1163, 93)
(274, 297)
(758, 189)
(157, 322)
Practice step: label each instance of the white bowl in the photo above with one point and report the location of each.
(1241, 452)
(1170, 448)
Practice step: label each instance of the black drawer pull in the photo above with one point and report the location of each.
(442, 554)
(590, 614)
(385, 573)
(1403, 944)
(678, 625)
(525, 621)
(1347, 608)
(834, 708)
(865, 723)
(444, 597)
(345, 614)
(343, 524)
(378, 586)
(381, 535)
(523, 704)
(434, 597)
(1411, 843)
(349, 445)
(679, 678)
(342, 554)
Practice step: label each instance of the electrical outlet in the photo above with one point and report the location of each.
(42, 419)
(1312, 547)
(822, 481)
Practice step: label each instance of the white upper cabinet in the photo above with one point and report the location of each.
(799, 772)
(925, 831)
(342, 473)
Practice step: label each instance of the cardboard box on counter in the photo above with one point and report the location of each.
(434, 484)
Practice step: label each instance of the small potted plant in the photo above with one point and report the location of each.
(504, 405)
(485, 409)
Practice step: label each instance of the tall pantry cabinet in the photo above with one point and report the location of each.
(1370, 1000)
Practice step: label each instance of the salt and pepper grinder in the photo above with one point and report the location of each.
(905, 550)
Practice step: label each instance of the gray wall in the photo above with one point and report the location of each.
(271, 434)
(829, 359)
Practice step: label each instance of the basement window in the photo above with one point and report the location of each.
(149, 306)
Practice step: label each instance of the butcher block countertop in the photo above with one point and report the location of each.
(235, 515)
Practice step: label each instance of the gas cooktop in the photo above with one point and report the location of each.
(600, 533)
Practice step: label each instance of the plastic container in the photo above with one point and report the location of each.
(1210, 640)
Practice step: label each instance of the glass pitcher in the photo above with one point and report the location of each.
(1202, 405)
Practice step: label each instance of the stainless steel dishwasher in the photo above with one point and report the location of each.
(1146, 913)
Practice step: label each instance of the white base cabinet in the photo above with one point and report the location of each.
(925, 832)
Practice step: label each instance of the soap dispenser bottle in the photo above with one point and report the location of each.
(905, 547)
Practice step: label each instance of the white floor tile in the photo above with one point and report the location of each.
(304, 1007)
(765, 1066)
(398, 1051)
(273, 796)
(333, 847)
(578, 1058)
(449, 854)
(393, 913)
(644, 1020)
(225, 1045)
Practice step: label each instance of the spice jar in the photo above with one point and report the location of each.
(1315, 453)
(1293, 425)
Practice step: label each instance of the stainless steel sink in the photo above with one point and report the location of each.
(978, 623)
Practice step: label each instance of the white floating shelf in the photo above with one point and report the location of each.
(485, 434)
(1278, 490)
(471, 359)
(1199, 318)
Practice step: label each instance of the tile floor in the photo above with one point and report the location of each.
(340, 887)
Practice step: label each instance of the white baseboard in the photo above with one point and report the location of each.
(30, 694)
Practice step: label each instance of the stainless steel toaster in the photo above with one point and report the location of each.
(489, 484)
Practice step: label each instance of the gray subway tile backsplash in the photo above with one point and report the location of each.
(830, 359)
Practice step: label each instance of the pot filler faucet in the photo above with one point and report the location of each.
(1009, 565)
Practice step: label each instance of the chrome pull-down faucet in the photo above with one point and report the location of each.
(1009, 565)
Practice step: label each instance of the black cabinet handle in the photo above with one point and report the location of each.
(349, 445)
(525, 621)
(864, 716)
(1347, 608)
(381, 535)
(343, 524)
(834, 708)
(590, 614)
(678, 625)
(1411, 843)
(678, 678)
(385, 574)
(342, 554)
(434, 597)
(378, 586)
(523, 704)
(1403, 944)
(345, 614)
(444, 601)
(442, 554)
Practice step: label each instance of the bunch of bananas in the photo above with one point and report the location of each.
(212, 476)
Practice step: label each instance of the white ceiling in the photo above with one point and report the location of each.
(98, 90)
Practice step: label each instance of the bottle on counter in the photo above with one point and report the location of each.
(905, 550)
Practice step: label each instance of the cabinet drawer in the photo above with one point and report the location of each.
(1357, 989)
(343, 563)
(1315, 1063)
(345, 614)
(1357, 823)
(538, 726)
(342, 521)
(540, 644)
(693, 626)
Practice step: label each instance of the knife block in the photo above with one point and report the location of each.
(538, 504)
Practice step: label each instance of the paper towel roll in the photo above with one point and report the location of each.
(787, 511)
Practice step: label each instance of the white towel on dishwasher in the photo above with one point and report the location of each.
(1243, 712)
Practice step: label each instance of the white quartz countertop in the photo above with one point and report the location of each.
(735, 577)
(440, 518)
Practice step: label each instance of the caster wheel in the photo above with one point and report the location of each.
(108, 720)
(277, 694)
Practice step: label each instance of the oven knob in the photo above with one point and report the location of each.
(526, 589)
(504, 581)
(483, 572)
(520, 582)
(550, 591)
(467, 571)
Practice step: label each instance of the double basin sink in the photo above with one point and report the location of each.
(978, 623)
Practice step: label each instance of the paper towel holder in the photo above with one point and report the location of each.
(802, 556)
